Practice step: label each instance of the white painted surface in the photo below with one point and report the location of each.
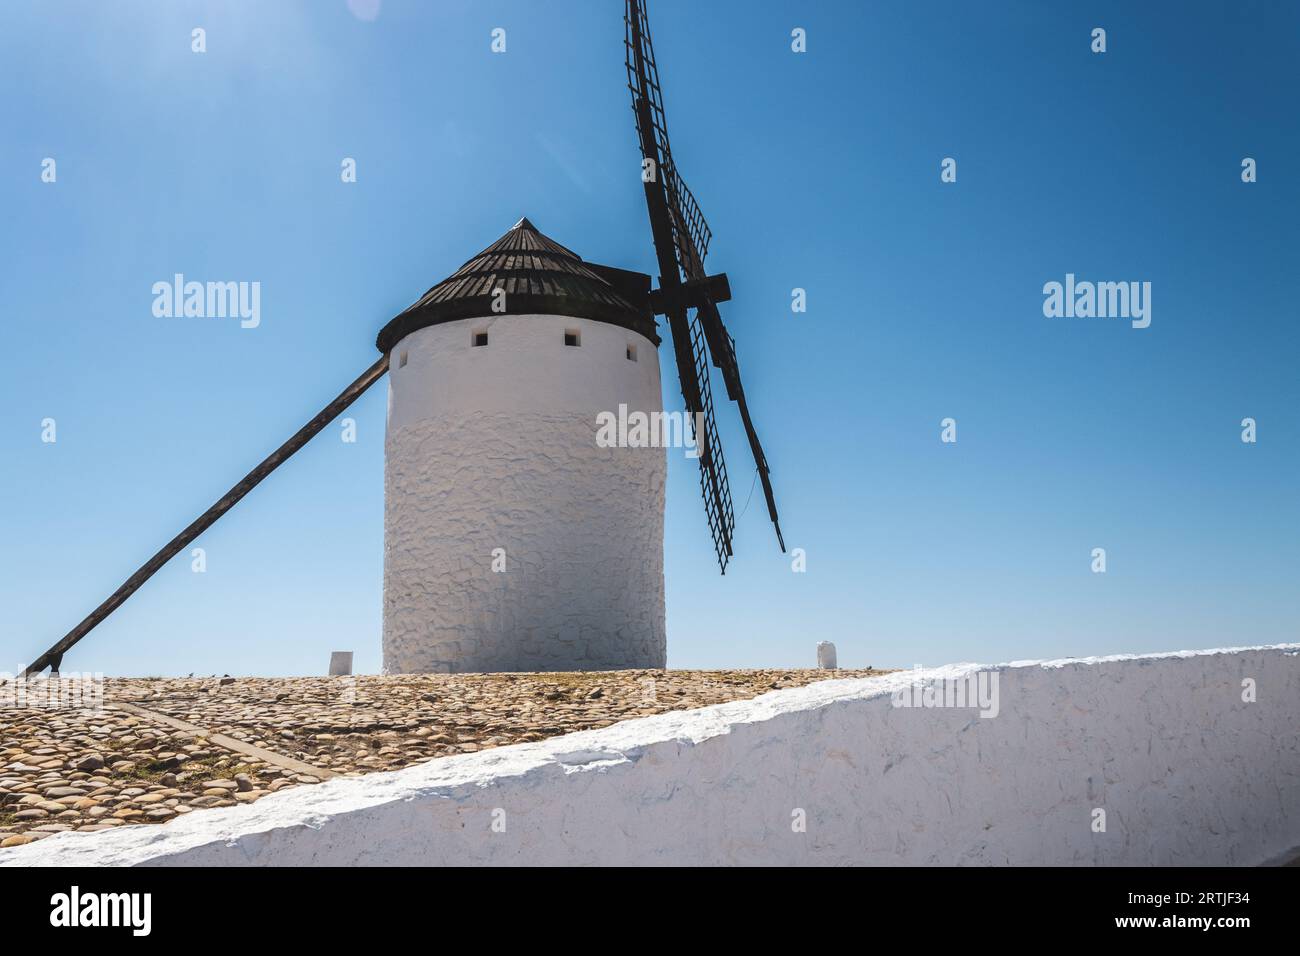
(494, 447)
(1186, 771)
(826, 655)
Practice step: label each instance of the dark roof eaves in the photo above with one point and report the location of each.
(415, 319)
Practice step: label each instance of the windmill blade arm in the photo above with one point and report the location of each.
(721, 348)
(53, 657)
(724, 357)
(687, 236)
(681, 238)
(690, 356)
(763, 473)
(691, 229)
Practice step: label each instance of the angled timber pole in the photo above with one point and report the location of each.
(54, 656)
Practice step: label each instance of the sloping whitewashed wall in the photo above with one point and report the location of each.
(1192, 758)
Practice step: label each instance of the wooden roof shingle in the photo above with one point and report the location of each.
(539, 277)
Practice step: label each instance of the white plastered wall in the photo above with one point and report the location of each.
(1186, 771)
(494, 447)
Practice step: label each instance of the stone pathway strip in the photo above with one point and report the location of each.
(238, 746)
(164, 747)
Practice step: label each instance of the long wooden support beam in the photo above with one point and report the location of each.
(54, 656)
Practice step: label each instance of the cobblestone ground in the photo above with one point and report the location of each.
(73, 768)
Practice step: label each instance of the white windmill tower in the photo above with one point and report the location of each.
(512, 540)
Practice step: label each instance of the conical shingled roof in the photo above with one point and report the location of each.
(540, 277)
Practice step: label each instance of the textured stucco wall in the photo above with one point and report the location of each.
(495, 447)
(1185, 770)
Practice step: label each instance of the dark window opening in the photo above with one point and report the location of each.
(480, 339)
(631, 353)
(572, 337)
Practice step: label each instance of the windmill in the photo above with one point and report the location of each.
(687, 295)
(549, 286)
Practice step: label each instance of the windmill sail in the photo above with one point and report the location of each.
(681, 237)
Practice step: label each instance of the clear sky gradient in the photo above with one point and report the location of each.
(818, 170)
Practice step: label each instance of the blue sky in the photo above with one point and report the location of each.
(817, 170)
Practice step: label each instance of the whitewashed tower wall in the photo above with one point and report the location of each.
(494, 447)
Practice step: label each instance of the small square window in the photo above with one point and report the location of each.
(631, 353)
(480, 339)
(401, 362)
(572, 337)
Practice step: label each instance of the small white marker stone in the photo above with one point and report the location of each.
(826, 656)
(341, 663)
